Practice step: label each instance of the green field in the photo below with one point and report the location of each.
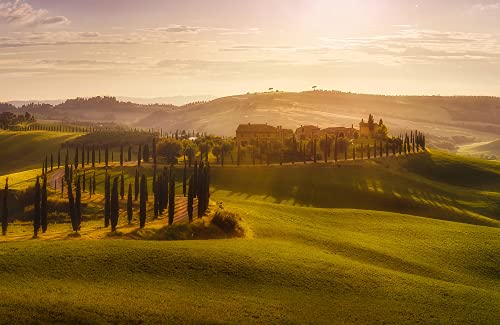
(400, 240)
(27, 150)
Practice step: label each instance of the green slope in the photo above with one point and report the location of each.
(302, 265)
(27, 150)
(434, 185)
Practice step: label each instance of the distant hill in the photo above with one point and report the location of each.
(173, 100)
(448, 121)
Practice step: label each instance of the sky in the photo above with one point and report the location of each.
(56, 49)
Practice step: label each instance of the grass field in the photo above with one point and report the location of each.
(324, 248)
(302, 265)
(26, 150)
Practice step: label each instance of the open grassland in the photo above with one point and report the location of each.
(432, 184)
(27, 150)
(302, 265)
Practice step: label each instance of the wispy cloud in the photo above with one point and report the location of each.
(20, 13)
(486, 6)
(183, 29)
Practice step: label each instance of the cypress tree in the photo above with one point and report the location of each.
(46, 165)
(51, 162)
(335, 153)
(43, 205)
(83, 156)
(94, 183)
(71, 201)
(36, 211)
(106, 156)
(93, 156)
(381, 151)
(129, 204)
(121, 157)
(59, 159)
(5, 208)
(122, 186)
(325, 150)
(345, 151)
(375, 149)
(107, 200)
(115, 205)
(136, 184)
(191, 195)
(368, 151)
(156, 192)
(184, 180)
(143, 200)
(387, 148)
(171, 201)
(78, 204)
(84, 181)
(99, 154)
(62, 186)
(76, 158)
(145, 153)
(112, 156)
(129, 156)
(195, 176)
(139, 156)
(88, 155)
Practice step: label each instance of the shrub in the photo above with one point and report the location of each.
(227, 221)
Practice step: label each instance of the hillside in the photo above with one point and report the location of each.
(26, 150)
(489, 150)
(464, 116)
(302, 265)
(448, 121)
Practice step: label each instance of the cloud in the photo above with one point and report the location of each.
(486, 6)
(20, 13)
(89, 34)
(183, 29)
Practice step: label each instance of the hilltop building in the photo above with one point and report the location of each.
(307, 132)
(246, 133)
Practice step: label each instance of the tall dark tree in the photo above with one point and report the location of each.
(154, 151)
(145, 153)
(184, 180)
(191, 195)
(88, 155)
(129, 204)
(99, 154)
(107, 200)
(129, 153)
(76, 158)
(5, 208)
(43, 205)
(195, 176)
(375, 149)
(157, 196)
(78, 203)
(59, 159)
(139, 156)
(136, 184)
(93, 156)
(122, 186)
(51, 162)
(143, 201)
(83, 156)
(84, 181)
(171, 201)
(115, 205)
(121, 156)
(36, 211)
(94, 184)
(72, 213)
(106, 156)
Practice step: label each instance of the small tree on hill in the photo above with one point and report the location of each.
(129, 204)
(115, 205)
(139, 156)
(122, 186)
(5, 208)
(43, 205)
(191, 195)
(171, 201)
(36, 211)
(78, 204)
(107, 200)
(143, 201)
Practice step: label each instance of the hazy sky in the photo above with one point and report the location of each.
(52, 49)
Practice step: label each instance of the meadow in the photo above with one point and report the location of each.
(396, 240)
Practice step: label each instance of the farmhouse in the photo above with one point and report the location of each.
(341, 131)
(307, 132)
(246, 133)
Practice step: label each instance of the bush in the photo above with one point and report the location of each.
(227, 221)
